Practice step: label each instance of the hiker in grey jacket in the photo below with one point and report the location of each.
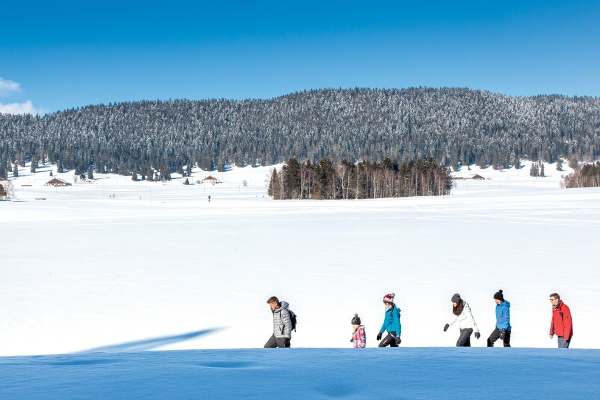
(282, 324)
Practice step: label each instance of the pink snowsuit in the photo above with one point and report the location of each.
(359, 337)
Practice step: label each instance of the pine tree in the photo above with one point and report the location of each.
(186, 182)
(573, 163)
(559, 165)
(2, 192)
(292, 178)
(542, 169)
(16, 170)
(90, 174)
(134, 176)
(275, 189)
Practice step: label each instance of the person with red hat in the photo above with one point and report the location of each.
(562, 323)
(391, 323)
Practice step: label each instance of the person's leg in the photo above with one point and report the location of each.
(283, 342)
(271, 343)
(507, 339)
(495, 335)
(562, 343)
(464, 340)
(389, 340)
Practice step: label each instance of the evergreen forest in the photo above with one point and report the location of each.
(454, 126)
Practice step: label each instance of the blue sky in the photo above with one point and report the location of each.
(64, 54)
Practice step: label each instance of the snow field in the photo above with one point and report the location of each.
(409, 373)
(81, 270)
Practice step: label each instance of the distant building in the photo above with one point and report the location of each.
(57, 182)
(210, 179)
(478, 177)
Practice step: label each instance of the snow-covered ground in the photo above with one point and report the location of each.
(115, 261)
(430, 373)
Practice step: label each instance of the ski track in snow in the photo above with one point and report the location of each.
(80, 270)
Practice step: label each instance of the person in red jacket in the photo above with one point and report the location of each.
(562, 323)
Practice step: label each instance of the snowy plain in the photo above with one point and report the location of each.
(83, 269)
(114, 264)
(410, 373)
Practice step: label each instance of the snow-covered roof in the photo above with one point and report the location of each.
(57, 182)
(210, 178)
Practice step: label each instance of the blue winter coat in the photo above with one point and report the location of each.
(391, 323)
(503, 316)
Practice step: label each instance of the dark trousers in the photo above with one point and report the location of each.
(274, 342)
(389, 340)
(495, 335)
(464, 340)
(562, 343)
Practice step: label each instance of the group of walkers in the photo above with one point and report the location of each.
(284, 321)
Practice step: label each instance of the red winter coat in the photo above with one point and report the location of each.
(562, 323)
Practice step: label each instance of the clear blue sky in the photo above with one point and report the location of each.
(64, 54)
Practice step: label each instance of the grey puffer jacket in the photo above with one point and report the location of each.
(282, 325)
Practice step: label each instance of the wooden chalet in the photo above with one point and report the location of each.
(210, 179)
(57, 182)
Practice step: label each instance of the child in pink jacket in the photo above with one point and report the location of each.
(359, 337)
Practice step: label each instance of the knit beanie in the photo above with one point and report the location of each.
(498, 295)
(456, 298)
(389, 298)
(355, 320)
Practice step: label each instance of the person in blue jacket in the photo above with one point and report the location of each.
(503, 328)
(391, 323)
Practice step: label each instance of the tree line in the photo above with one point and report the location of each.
(587, 175)
(156, 138)
(362, 180)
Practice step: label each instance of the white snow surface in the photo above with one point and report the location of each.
(409, 373)
(116, 261)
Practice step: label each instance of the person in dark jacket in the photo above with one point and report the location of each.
(562, 323)
(282, 324)
(503, 328)
(391, 323)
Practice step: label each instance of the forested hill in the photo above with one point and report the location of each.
(452, 125)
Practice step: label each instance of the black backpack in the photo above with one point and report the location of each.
(293, 319)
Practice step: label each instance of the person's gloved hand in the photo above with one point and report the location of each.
(379, 336)
(352, 340)
(503, 334)
(446, 327)
(398, 340)
(477, 335)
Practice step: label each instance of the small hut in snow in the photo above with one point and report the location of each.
(210, 179)
(478, 177)
(57, 182)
